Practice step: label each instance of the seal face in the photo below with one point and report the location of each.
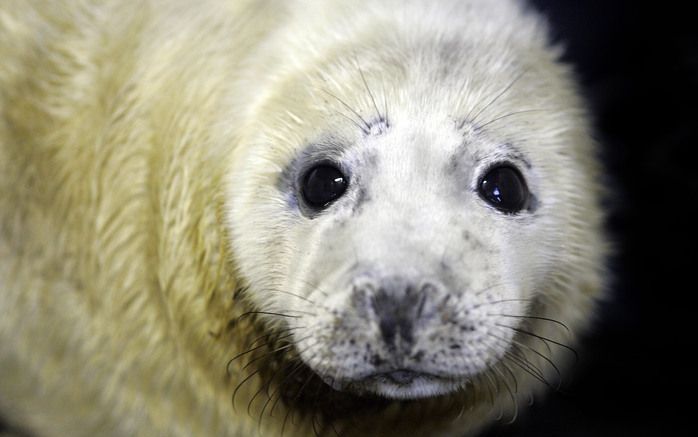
(409, 271)
(424, 213)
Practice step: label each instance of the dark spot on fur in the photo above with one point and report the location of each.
(533, 203)
(452, 165)
(513, 153)
(361, 198)
(378, 126)
(474, 242)
(376, 360)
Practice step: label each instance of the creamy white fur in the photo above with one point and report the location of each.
(141, 150)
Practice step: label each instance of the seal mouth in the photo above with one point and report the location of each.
(402, 377)
(401, 384)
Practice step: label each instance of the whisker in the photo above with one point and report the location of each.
(296, 397)
(514, 404)
(495, 302)
(546, 319)
(468, 401)
(502, 378)
(548, 360)
(521, 358)
(526, 368)
(497, 97)
(368, 89)
(314, 287)
(299, 366)
(488, 288)
(307, 313)
(227, 367)
(513, 377)
(247, 378)
(263, 387)
(461, 96)
(249, 363)
(499, 283)
(314, 408)
(523, 331)
(354, 122)
(271, 412)
(385, 102)
(269, 313)
(510, 114)
(367, 127)
(289, 368)
(314, 424)
(463, 402)
(555, 385)
(489, 389)
(495, 384)
(256, 348)
(312, 302)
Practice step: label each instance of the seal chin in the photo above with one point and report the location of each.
(403, 384)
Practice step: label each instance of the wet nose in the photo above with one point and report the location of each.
(398, 305)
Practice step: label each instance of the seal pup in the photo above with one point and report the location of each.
(288, 218)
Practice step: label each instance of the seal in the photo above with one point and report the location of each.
(328, 217)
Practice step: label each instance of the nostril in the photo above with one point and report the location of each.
(362, 295)
(420, 306)
(428, 287)
(427, 291)
(388, 326)
(389, 308)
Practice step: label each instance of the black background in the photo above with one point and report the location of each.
(638, 66)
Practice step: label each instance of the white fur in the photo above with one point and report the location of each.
(142, 159)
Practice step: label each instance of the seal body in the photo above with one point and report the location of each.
(165, 270)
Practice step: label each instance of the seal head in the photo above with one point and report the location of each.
(423, 219)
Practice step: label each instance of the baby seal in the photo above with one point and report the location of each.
(304, 217)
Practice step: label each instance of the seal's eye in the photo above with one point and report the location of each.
(322, 185)
(504, 188)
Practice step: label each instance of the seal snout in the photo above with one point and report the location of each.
(398, 306)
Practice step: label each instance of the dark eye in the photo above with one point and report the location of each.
(504, 188)
(322, 185)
